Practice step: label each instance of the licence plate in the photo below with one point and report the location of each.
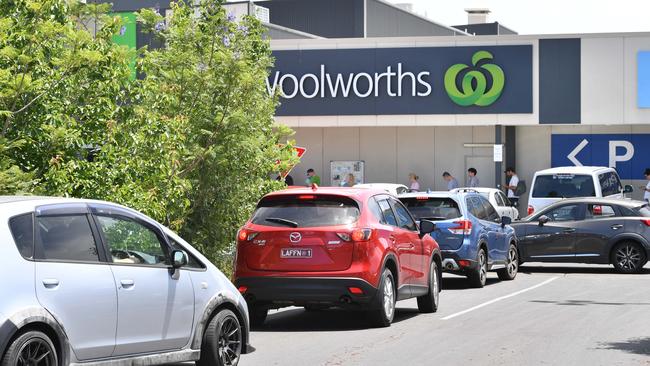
(295, 253)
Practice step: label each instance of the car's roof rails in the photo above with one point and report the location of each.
(464, 190)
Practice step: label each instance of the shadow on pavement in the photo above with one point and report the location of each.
(588, 302)
(462, 283)
(529, 269)
(300, 320)
(637, 346)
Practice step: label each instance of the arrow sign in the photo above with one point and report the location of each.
(572, 155)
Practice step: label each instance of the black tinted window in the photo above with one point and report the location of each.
(22, 229)
(67, 238)
(130, 242)
(389, 216)
(403, 217)
(563, 186)
(376, 210)
(192, 261)
(565, 213)
(306, 211)
(490, 213)
(431, 208)
(476, 208)
(610, 184)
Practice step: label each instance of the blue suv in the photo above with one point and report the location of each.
(472, 237)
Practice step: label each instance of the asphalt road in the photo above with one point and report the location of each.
(549, 315)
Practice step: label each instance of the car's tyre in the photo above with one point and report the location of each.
(429, 302)
(222, 341)
(512, 265)
(257, 315)
(628, 257)
(386, 297)
(31, 348)
(478, 277)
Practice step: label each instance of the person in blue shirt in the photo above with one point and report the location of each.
(472, 179)
(452, 183)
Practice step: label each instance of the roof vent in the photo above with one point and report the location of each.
(477, 15)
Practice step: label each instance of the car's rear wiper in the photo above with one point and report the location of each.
(279, 220)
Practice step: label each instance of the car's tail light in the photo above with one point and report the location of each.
(598, 210)
(246, 235)
(462, 227)
(464, 263)
(531, 209)
(646, 222)
(361, 234)
(355, 291)
(306, 197)
(422, 198)
(242, 289)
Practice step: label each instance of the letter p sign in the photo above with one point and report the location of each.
(614, 146)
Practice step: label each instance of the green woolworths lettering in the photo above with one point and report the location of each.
(475, 94)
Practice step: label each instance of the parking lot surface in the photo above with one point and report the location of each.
(549, 315)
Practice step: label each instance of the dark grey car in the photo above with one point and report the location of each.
(588, 230)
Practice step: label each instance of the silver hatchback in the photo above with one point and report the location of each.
(90, 282)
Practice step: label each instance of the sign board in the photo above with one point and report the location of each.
(416, 80)
(339, 171)
(643, 79)
(628, 153)
(498, 153)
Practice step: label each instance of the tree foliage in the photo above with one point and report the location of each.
(192, 142)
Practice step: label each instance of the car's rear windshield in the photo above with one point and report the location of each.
(432, 208)
(306, 211)
(564, 186)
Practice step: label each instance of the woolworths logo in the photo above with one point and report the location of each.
(474, 83)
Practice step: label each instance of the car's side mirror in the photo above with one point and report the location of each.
(542, 220)
(426, 227)
(505, 220)
(628, 189)
(179, 259)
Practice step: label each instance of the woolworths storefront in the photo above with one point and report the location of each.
(434, 104)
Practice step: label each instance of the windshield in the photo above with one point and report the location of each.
(563, 186)
(306, 211)
(432, 208)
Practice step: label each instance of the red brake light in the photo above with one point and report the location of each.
(306, 197)
(361, 234)
(242, 289)
(421, 198)
(646, 222)
(245, 235)
(355, 291)
(531, 209)
(463, 263)
(463, 227)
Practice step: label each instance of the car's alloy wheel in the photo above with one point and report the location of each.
(32, 348)
(223, 341)
(389, 297)
(512, 265)
(478, 277)
(628, 257)
(429, 302)
(230, 342)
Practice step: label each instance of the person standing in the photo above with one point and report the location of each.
(312, 178)
(452, 183)
(472, 179)
(512, 186)
(349, 181)
(646, 189)
(415, 185)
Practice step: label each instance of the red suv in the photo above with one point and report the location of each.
(353, 248)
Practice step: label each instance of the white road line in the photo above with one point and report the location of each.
(499, 299)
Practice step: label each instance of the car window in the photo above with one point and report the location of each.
(401, 190)
(504, 199)
(22, 229)
(192, 261)
(600, 211)
(610, 184)
(491, 213)
(387, 211)
(374, 208)
(498, 199)
(476, 208)
(432, 208)
(130, 242)
(565, 213)
(403, 216)
(306, 210)
(66, 238)
(564, 186)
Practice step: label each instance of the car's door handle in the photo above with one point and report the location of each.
(617, 226)
(569, 230)
(51, 283)
(392, 238)
(126, 284)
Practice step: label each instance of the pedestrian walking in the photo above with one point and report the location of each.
(415, 185)
(646, 189)
(312, 178)
(452, 183)
(472, 179)
(512, 186)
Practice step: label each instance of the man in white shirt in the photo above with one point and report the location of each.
(646, 189)
(512, 186)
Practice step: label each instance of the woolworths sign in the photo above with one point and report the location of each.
(434, 80)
